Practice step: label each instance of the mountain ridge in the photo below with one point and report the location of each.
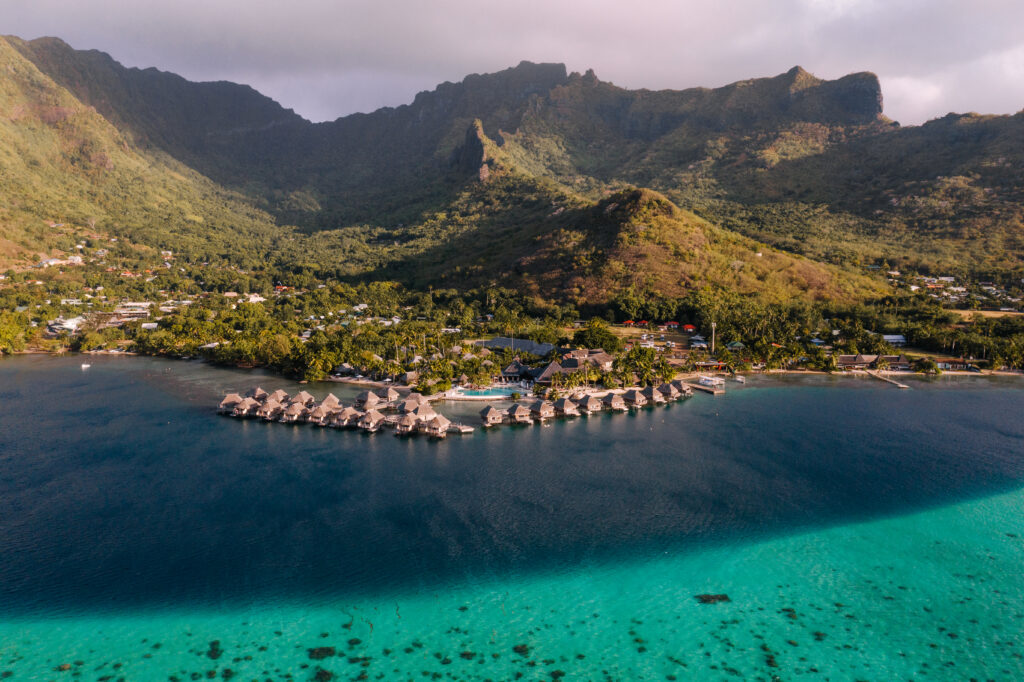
(806, 165)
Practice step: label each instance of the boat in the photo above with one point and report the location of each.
(741, 379)
(86, 365)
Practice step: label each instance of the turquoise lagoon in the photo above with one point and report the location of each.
(848, 531)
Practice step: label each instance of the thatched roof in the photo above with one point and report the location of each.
(669, 390)
(542, 406)
(490, 411)
(368, 398)
(303, 397)
(653, 394)
(439, 423)
(518, 411)
(613, 399)
(565, 405)
(230, 400)
(423, 412)
(371, 418)
(280, 395)
(247, 404)
(295, 409)
(408, 420)
(388, 394)
(331, 400)
(257, 393)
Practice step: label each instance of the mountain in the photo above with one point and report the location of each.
(555, 182)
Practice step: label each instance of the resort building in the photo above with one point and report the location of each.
(227, 406)
(653, 395)
(303, 398)
(614, 401)
(566, 408)
(519, 414)
(634, 398)
(367, 399)
(256, 394)
(588, 404)
(437, 427)
(669, 392)
(389, 395)
(542, 409)
(491, 416)
(371, 421)
(295, 412)
(406, 425)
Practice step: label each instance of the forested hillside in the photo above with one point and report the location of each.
(559, 184)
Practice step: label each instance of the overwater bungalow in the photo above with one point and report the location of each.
(367, 399)
(294, 413)
(406, 425)
(423, 412)
(669, 392)
(408, 405)
(436, 427)
(303, 398)
(246, 408)
(345, 418)
(227, 406)
(634, 398)
(371, 421)
(614, 401)
(684, 390)
(491, 416)
(270, 410)
(542, 409)
(321, 414)
(279, 396)
(519, 414)
(257, 394)
(331, 401)
(588, 404)
(566, 408)
(388, 395)
(653, 395)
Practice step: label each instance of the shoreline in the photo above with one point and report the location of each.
(681, 376)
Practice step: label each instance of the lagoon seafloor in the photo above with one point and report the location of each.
(835, 529)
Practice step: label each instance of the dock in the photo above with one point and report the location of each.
(713, 390)
(886, 379)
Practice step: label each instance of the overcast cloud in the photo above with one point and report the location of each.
(327, 58)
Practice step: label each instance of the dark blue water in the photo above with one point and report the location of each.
(119, 486)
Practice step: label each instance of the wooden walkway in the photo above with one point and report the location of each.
(713, 390)
(878, 376)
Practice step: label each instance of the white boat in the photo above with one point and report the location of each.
(740, 378)
(86, 365)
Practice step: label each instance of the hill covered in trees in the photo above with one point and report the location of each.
(558, 184)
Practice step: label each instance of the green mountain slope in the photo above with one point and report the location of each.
(559, 184)
(64, 163)
(808, 165)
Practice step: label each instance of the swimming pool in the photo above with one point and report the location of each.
(495, 392)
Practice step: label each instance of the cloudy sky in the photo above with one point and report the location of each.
(326, 58)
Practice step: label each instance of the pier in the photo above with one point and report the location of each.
(886, 379)
(713, 390)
